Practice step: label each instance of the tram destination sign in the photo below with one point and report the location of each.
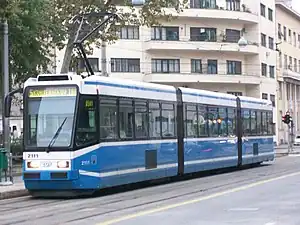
(40, 92)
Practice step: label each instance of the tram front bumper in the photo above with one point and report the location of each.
(51, 180)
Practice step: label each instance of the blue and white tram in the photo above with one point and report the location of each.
(81, 135)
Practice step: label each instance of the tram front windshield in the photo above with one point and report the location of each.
(49, 121)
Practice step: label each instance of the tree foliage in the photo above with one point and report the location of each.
(152, 12)
(31, 36)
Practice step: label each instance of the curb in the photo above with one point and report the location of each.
(277, 155)
(13, 194)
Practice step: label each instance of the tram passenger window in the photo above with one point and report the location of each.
(168, 120)
(259, 123)
(222, 122)
(126, 118)
(270, 123)
(253, 122)
(154, 120)
(246, 122)
(231, 122)
(202, 121)
(191, 124)
(264, 123)
(141, 119)
(86, 132)
(212, 121)
(108, 119)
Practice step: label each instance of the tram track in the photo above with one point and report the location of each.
(88, 208)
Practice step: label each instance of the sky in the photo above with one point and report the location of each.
(296, 5)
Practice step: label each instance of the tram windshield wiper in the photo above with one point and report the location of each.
(51, 143)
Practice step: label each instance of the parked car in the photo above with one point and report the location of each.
(297, 140)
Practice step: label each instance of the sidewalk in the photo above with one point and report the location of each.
(17, 189)
(282, 150)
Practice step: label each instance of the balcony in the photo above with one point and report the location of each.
(205, 77)
(289, 74)
(218, 46)
(242, 15)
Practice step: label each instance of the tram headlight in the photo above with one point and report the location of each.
(63, 164)
(33, 164)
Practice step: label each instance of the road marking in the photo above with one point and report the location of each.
(215, 195)
(243, 209)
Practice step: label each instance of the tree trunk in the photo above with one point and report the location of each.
(68, 55)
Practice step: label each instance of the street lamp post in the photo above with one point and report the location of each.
(5, 82)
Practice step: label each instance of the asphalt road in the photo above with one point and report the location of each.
(265, 195)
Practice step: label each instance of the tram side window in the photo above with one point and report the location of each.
(259, 123)
(86, 132)
(231, 122)
(126, 119)
(253, 120)
(264, 123)
(168, 120)
(154, 120)
(202, 121)
(191, 124)
(141, 119)
(108, 119)
(246, 122)
(212, 121)
(271, 129)
(222, 122)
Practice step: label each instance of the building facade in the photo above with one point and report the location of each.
(200, 49)
(288, 72)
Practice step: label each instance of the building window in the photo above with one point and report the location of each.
(279, 31)
(196, 66)
(284, 33)
(285, 63)
(236, 93)
(129, 32)
(290, 36)
(203, 34)
(203, 4)
(81, 67)
(264, 96)
(272, 98)
(271, 43)
(125, 65)
(298, 40)
(280, 60)
(295, 65)
(264, 69)
(165, 33)
(270, 14)
(263, 40)
(232, 36)
(272, 71)
(234, 67)
(299, 66)
(212, 66)
(290, 63)
(234, 5)
(165, 65)
(294, 39)
(262, 10)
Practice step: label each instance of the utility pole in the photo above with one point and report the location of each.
(5, 82)
(292, 136)
(103, 59)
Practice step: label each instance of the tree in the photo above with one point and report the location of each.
(152, 12)
(32, 35)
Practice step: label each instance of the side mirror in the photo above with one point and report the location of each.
(7, 105)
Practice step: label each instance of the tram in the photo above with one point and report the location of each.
(85, 134)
